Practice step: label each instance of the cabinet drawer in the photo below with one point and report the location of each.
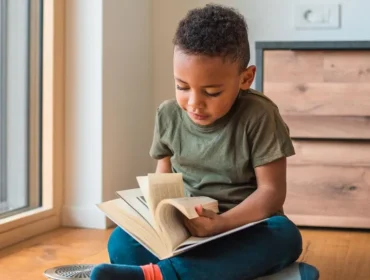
(320, 99)
(333, 127)
(331, 196)
(329, 184)
(317, 89)
(331, 153)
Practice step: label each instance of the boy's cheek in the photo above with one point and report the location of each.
(181, 101)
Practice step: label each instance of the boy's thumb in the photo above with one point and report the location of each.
(204, 212)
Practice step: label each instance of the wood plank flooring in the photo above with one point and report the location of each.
(338, 254)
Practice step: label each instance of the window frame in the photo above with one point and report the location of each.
(47, 217)
(3, 101)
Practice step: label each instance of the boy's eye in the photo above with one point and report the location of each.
(213, 94)
(181, 88)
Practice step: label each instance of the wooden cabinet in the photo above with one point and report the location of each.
(329, 184)
(323, 94)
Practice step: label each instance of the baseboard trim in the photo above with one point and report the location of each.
(85, 217)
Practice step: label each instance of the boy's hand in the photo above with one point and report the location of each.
(207, 224)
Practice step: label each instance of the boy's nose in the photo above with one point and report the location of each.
(195, 100)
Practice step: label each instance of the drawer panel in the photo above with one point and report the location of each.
(347, 66)
(316, 66)
(329, 127)
(320, 99)
(293, 66)
(333, 196)
(320, 94)
(331, 153)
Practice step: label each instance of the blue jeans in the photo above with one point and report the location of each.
(257, 251)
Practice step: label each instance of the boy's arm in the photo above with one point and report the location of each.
(265, 201)
(164, 165)
(262, 203)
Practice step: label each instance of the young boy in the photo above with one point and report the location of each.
(230, 143)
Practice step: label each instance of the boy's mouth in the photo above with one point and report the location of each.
(198, 116)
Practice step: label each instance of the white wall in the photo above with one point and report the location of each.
(84, 114)
(268, 20)
(128, 113)
(166, 14)
(109, 111)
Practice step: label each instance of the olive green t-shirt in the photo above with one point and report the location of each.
(218, 160)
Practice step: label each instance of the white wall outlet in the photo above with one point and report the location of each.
(312, 16)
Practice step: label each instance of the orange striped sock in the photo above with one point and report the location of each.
(152, 272)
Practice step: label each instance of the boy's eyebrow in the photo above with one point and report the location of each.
(206, 86)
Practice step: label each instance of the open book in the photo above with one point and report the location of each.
(153, 214)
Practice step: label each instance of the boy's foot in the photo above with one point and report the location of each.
(308, 272)
(115, 271)
(296, 271)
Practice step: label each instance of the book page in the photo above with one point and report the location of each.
(187, 205)
(129, 220)
(171, 221)
(135, 198)
(170, 216)
(143, 185)
(162, 186)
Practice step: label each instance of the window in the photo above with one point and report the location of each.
(31, 117)
(20, 104)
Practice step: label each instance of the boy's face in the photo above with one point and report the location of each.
(206, 87)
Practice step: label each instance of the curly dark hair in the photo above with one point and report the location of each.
(214, 30)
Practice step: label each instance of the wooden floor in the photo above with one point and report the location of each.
(339, 255)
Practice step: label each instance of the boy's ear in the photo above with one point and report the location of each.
(247, 77)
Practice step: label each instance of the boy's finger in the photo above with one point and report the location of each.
(199, 209)
(204, 212)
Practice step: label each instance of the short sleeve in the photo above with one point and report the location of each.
(159, 148)
(269, 138)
